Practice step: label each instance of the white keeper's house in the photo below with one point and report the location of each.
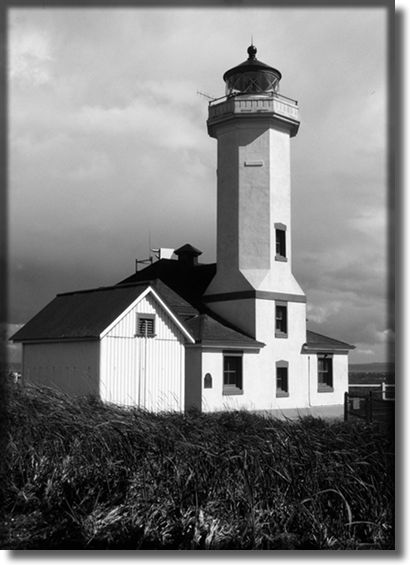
(180, 334)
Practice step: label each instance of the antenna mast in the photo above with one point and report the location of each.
(205, 95)
(150, 259)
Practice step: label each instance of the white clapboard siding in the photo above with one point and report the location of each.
(144, 372)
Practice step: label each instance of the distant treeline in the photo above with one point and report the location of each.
(372, 367)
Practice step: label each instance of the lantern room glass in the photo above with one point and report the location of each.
(252, 82)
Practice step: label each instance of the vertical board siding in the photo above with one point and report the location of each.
(144, 372)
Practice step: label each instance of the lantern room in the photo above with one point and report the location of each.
(252, 77)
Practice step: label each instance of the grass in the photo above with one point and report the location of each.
(86, 475)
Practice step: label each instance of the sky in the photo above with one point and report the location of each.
(109, 153)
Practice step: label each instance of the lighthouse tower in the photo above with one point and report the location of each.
(254, 286)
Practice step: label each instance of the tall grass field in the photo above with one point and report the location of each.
(85, 475)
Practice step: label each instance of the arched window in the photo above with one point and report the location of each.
(208, 380)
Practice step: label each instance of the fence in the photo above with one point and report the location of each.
(386, 390)
(370, 403)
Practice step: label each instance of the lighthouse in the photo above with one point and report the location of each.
(182, 334)
(254, 286)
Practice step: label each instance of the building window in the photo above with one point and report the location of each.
(282, 382)
(145, 325)
(208, 380)
(232, 373)
(325, 372)
(281, 314)
(280, 240)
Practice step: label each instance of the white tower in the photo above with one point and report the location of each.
(254, 287)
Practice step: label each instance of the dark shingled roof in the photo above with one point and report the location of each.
(86, 314)
(208, 331)
(189, 281)
(178, 305)
(315, 342)
(79, 315)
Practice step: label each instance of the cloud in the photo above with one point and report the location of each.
(30, 55)
(385, 336)
(144, 117)
(371, 221)
(360, 351)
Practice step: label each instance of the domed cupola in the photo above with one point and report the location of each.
(252, 77)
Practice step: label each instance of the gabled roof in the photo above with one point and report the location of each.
(205, 326)
(319, 342)
(85, 314)
(79, 315)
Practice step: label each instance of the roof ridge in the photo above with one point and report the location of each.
(101, 288)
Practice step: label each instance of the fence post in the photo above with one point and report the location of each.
(370, 406)
(346, 406)
(384, 390)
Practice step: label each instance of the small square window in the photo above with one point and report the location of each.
(282, 383)
(145, 325)
(325, 372)
(232, 383)
(281, 328)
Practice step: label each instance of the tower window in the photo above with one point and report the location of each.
(145, 325)
(280, 239)
(232, 373)
(281, 329)
(325, 372)
(282, 383)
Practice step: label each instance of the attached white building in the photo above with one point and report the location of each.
(181, 334)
